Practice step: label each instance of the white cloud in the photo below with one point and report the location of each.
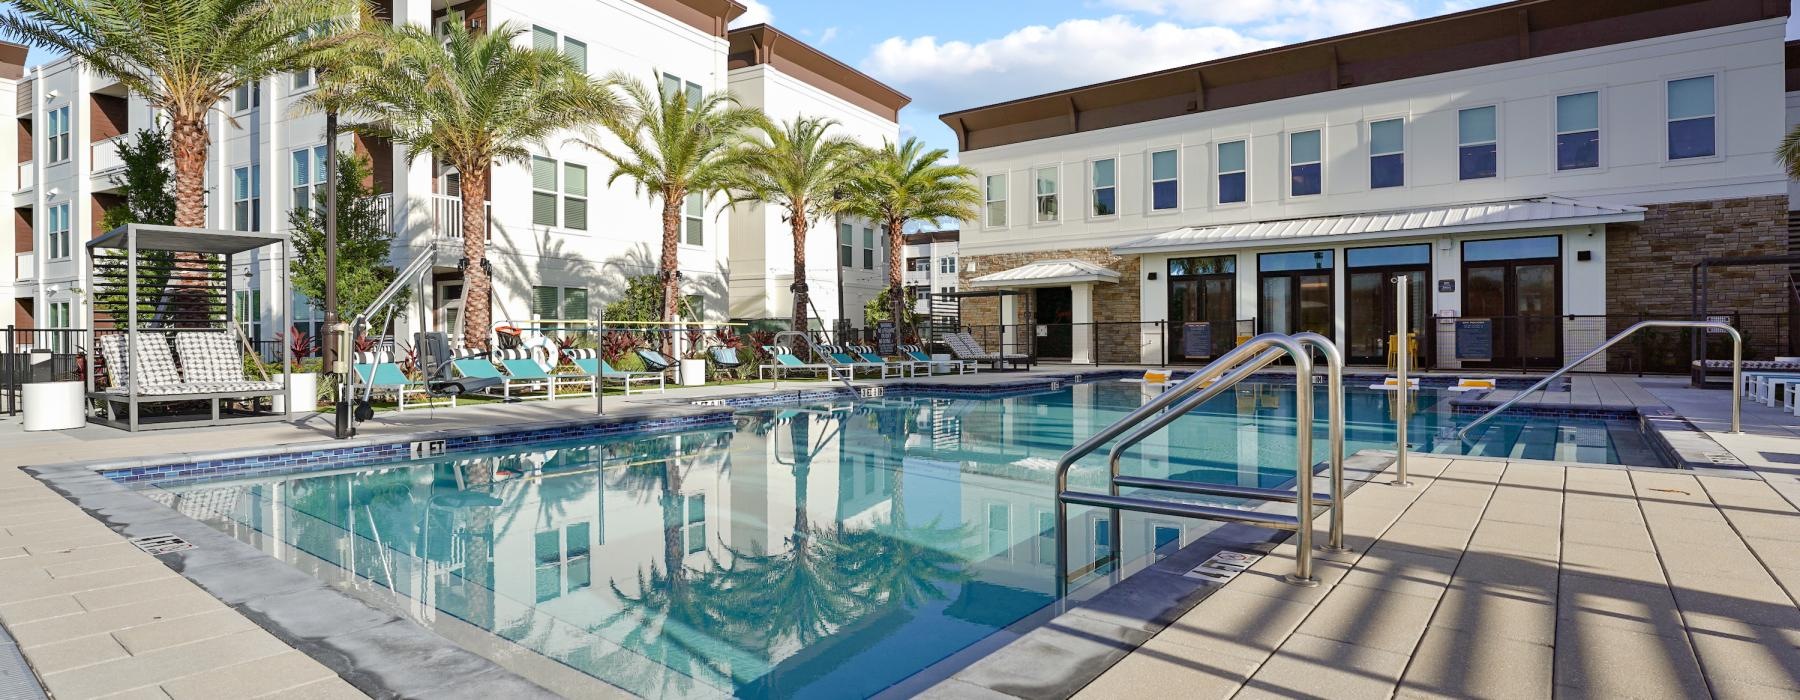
(945, 75)
(755, 13)
(826, 36)
(1283, 19)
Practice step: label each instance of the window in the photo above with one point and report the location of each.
(1046, 538)
(1578, 131)
(673, 85)
(694, 525)
(999, 528)
(309, 168)
(545, 195)
(1305, 169)
(1105, 188)
(1388, 256)
(577, 53)
(1691, 118)
(946, 265)
(565, 304)
(60, 318)
(544, 39)
(309, 319)
(304, 78)
(58, 140)
(868, 248)
(564, 561)
(1477, 143)
(575, 203)
(846, 245)
(1046, 193)
(247, 310)
(1164, 540)
(58, 238)
(246, 198)
(693, 219)
(1164, 183)
(1387, 153)
(1231, 172)
(1512, 249)
(246, 97)
(996, 200)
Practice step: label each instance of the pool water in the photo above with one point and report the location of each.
(819, 551)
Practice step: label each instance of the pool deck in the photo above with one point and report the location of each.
(1485, 577)
(1522, 579)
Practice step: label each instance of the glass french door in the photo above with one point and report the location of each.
(1294, 292)
(1202, 290)
(1523, 296)
(1370, 319)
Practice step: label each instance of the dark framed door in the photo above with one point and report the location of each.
(1518, 284)
(1053, 310)
(1202, 290)
(1294, 292)
(1369, 318)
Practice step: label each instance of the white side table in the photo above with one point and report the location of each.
(54, 406)
(940, 364)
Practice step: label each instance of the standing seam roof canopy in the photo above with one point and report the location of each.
(1046, 273)
(1537, 212)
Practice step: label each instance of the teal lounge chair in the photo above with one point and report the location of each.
(523, 368)
(837, 355)
(376, 371)
(785, 363)
(476, 367)
(590, 363)
(901, 368)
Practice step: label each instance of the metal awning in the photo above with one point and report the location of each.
(1047, 273)
(1505, 215)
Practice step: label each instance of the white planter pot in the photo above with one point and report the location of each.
(304, 388)
(54, 406)
(940, 363)
(693, 372)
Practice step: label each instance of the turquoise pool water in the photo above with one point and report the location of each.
(821, 551)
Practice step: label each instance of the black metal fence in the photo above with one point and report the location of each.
(1526, 343)
(31, 355)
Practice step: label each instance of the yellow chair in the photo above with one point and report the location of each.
(1412, 350)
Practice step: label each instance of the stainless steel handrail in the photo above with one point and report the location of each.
(1239, 362)
(1334, 407)
(1737, 368)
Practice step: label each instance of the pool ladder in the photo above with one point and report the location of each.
(1203, 385)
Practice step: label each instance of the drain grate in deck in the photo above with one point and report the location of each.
(161, 544)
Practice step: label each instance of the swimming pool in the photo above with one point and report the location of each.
(809, 551)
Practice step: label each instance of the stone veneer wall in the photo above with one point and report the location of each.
(1649, 269)
(1112, 302)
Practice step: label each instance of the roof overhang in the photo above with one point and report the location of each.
(1047, 273)
(763, 45)
(1507, 215)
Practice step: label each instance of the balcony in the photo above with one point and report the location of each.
(26, 269)
(105, 155)
(446, 217)
(27, 176)
(917, 278)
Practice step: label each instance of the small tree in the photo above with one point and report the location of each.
(364, 241)
(900, 183)
(144, 183)
(642, 301)
(880, 309)
(803, 169)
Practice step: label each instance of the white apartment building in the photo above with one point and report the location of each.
(562, 243)
(930, 260)
(1547, 168)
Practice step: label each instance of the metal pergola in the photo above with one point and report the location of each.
(197, 297)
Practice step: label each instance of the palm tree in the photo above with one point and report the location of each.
(1788, 153)
(184, 57)
(805, 171)
(902, 183)
(471, 101)
(672, 147)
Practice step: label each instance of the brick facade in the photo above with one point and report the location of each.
(1649, 267)
(1112, 302)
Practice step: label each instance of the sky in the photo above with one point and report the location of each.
(955, 54)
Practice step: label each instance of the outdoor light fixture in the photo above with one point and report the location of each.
(462, 265)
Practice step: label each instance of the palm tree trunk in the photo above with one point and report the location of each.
(797, 223)
(477, 286)
(674, 510)
(671, 264)
(188, 141)
(896, 300)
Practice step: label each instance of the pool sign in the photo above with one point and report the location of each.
(1475, 339)
(1220, 568)
(1196, 339)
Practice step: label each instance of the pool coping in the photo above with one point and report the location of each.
(380, 653)
(1680, 443)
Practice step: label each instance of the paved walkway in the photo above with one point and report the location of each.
(1584, 390)
(1509, 579)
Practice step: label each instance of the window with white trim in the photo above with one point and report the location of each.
(1692, 113)
(1578, 131)
(559, 188)
(1105, 187)
(57, 143)
(1306, 167)
(674, 85)
(1477, 143)
(61, 317)
(1047, 184)
(246, 97)
(559, 304)
(309, 318)
(846, 245)
(996, 200)
(868, 248)
(1387, 153)
(1233, 173)
(304, 78)
(1165, 189)
(545, 39)
(574, 196)
(246, 198)
(693, 526)
(693, 218)
(247, 310)
(58, 236)
(564, 561)
(308, 170)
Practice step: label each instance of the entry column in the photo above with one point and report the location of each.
(1081, 315)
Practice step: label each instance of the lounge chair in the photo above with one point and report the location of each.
(478, 366)
(919, 356)
(211, 369)
(588, 360)
(724, 359)
(1763, 387)
(1473, 384)
(522, 367)
(865, 353)
(655, 361)
(785, 362)
(837, 355)
(376, 371)
(964, 347)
